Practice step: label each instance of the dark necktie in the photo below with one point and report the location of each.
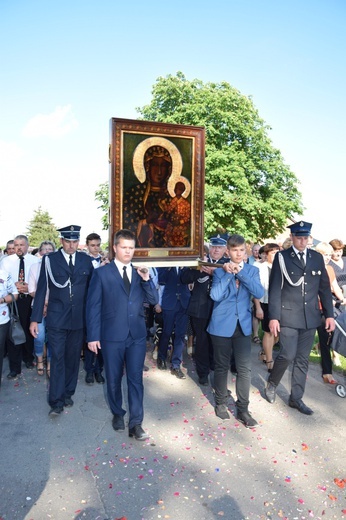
(126, 280)
(71, 266)
(98, 259)
(21, 272)
(301, 254)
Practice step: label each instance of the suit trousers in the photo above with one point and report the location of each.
(125, 355)
(295, 347)
(24, 311)
(240, 345)
(93, 363)
(173, 320)
(24, 352)
(65, 350)
(204, 356)
(325, 341)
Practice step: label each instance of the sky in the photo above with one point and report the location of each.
(67, 67)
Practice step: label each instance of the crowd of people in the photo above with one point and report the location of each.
(71, 302)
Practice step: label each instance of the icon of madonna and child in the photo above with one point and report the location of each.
(157, 209)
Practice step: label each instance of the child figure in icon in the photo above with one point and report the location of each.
(178, 215)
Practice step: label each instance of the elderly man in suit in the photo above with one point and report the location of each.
(18, 265)
(66, 273)
(116, 324)
(298, 282)
(201, 306)
(231, 325)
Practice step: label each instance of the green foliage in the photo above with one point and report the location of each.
(42, 228)
(102, 195)
(248, 188)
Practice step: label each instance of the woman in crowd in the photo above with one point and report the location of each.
(45, 248)
(338, 263)
(261, 306)
(324, 337)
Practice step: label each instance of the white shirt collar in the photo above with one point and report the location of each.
(120, 267)
(67, 257)
(298, 252)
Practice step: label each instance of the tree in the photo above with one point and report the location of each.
(42, 228)
(102, 195)
(248, 188)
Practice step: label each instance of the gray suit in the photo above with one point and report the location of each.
(298, 311)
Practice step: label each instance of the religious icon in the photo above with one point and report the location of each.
(157, 186)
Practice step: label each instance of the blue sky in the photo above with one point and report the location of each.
(67, 67)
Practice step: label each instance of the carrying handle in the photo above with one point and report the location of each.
(13, 306)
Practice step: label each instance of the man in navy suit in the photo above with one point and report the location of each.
(116, 324)
(66, 273)
(230, 327)
(175, 300)
(298, 281)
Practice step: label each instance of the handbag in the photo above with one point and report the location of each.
(16, 332)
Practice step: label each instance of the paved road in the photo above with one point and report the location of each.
(193, 467)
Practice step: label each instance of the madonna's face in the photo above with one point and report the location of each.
(159, 171)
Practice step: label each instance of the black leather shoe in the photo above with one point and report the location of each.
(99, 378)
(89, 379)
(270, 392)
(161, 364)
(138, 433)
(247, 419)
(300, 406)
(29, 364)
(12, 375)
(221, 412)
(203, 381)
(57, 410)
(68, 402)
(177, 372)
(118, 423)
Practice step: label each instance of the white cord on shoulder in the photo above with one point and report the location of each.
(285, 274)
(49, 274)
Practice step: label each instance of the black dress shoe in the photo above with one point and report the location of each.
(300, 406)
(68, 402)
(29, 364)
(270, 392)
(203, 381)
(89, 379)
(56, 410)
(177, 372)
(12, 375)
(118, 423)
(161, 364)
(99, 378)
(247, 419)
(221, 411)
(138, 433)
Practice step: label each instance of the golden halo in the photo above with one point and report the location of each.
(172, 182)
(138, 156)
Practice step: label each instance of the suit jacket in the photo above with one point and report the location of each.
(290, 305)
(111, 313)
(66, 309)
(174, 290)
(232, 303)
(200, 304)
